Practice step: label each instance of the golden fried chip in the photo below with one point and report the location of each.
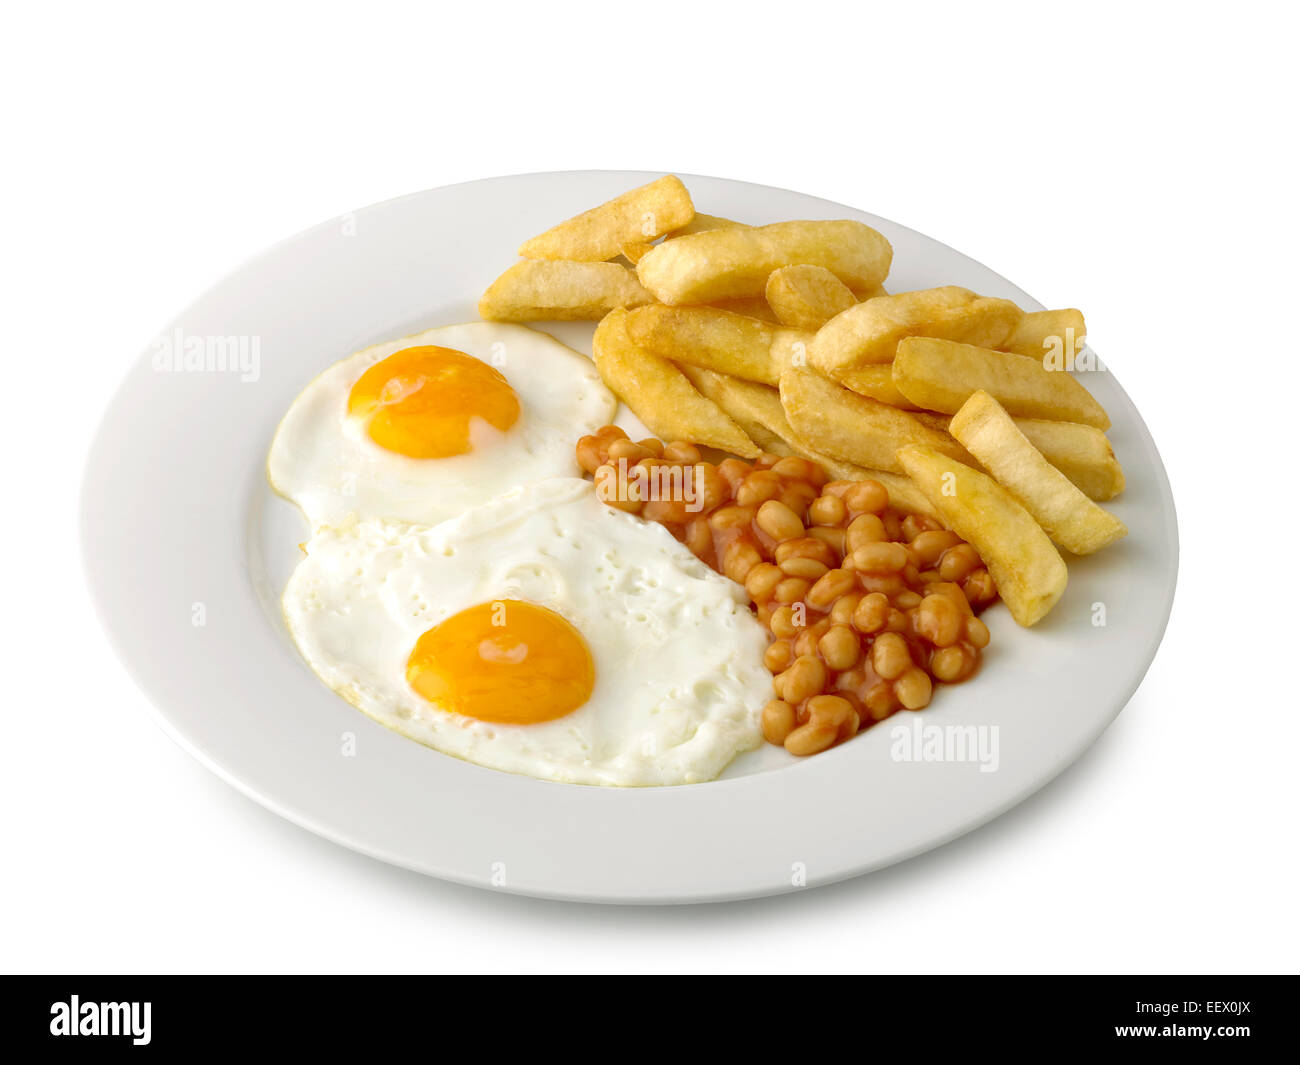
(941, 375)
(1041, 332)
(722, 263)
(807, 297)
(752, 306)
(634, 253)
(868, 333)
(657, 392)
(542, 291)
(878, 383)
(1069, 517)
(705, 336)
(702, 223)
(638, 216)
(1028, 571)
(790, 348)
(749, 404)
(1081, 452)
(851, 427)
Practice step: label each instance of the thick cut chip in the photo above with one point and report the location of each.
(659, 394)
(1028, 571)
(757, 409)
(853, 428)
(634, 253)
(1081, 452)
(722, 263)
(790, 348)
(876, 382)
(702, 223)
(635, 217)
(1040, 332)
(869, 332)
(941, 375)
(705, 336)
(1069, 517)
(807, 297)
(753, 306)
(540, 291)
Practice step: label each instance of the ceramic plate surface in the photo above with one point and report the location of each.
(187, 551)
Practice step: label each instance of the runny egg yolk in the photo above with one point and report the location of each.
(510, 662)
(419, 401)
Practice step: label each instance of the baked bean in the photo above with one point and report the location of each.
(830, 710)
(907, 600)
(776, 519)
(758, 487)
(810, 739)
(867, 496)
(913, 688)
(589, 456)
(731, 517)
(840, 647)
(778, 721)
(799, 469)
(778, 656)
(915, 524)
(766, 460)
(653, 445)
(613, 492)
(626, 449)
(804, 547)
(932, 543)
(950, 664)
(807, 568)
(607, 434)
(831, 536)
(864, 529)
(844, 607)
(733, 471)
(872, 613)
(979, 588)
(977, 633)
(782, 623)
(761, 581)
(805, 678)
(699, 538)
(833, 584)
(666, 511)
(798, 495)
(939, 621)
(879, 701)
(806, 643)
(683, 452)
(790, 590)
(739, 558)
(890, 657)
(897, 621)
(958, 561)
(708, 488)
(885, 557)
(827, 510)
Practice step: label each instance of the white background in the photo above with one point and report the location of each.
(1137, 161)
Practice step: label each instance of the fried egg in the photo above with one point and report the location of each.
(541, 633)
(423, 428)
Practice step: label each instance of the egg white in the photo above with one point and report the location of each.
(326, 463)
(680, 680)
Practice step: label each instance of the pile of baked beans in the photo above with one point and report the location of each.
(867, 607)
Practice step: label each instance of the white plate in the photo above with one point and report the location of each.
(187, 549)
